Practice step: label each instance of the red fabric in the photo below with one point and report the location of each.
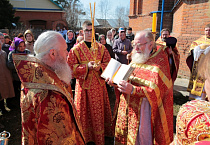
(48, 116)
(129, 107)
(91, 97)
(176, 60)
(175, 56)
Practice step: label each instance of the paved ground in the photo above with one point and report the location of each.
(181, 85)
(12, 121)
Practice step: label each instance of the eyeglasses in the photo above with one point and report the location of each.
(139, 44)
(88, 31)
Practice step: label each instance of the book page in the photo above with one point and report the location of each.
(124, 69)
(111, 68)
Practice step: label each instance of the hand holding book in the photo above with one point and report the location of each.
(117, 71)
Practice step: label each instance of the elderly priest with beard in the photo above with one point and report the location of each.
(145, 107)
(47, 110)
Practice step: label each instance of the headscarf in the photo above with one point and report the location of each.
(67, 39)
(15, 43)
(29, 32)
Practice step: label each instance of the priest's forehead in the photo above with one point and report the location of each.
(144, 36)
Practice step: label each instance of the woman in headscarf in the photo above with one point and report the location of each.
(19, 45)
(70, 39)
(102, 40)
(12, 46)
(29, 40)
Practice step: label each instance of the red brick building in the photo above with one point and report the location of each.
(185, 18)
(40, 14)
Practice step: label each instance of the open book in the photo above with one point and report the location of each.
(117, 71)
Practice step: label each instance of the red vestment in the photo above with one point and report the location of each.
(175, 56)
(153, 81)
(91, 97)
(47, 109)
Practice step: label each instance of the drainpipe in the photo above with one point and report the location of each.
(162, 12)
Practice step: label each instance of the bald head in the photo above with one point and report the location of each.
(146, 34)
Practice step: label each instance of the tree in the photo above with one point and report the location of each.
(7, 14)
(73, 10)
(121, 14)
(105, 7)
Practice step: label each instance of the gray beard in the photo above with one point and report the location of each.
(140, 58)
(60, 67)
(63, 71)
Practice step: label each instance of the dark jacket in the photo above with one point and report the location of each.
(120, 46)
(5, 47)
(109, 48)
(10, 63)
(70, 45)
(130, 36)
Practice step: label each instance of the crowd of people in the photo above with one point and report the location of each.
(64, 99)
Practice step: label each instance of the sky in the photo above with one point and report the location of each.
(112, 6)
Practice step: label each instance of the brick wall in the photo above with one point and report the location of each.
(190, 18)
(187, 22)
(50, 17)
(144, 19)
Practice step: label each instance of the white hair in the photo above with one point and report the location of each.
(109, 32)
(52, 40)
(45, 42)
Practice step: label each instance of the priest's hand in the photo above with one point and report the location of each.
(125, 87)
(97, 66)
(110, 82)
(91, 64)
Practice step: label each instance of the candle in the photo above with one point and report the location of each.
(154, 22)
(93, 40)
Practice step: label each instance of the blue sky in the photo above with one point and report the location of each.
(112, 3)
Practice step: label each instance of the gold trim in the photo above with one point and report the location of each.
(76, 52)
(85, 47)
(156, 52)
(134, 90)
(55, 85)
(103, 49)
(46, 86)
(155, 69)
(150, 101)
(90, 76)
(25, 57)
(159, 100)
(161, 111)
